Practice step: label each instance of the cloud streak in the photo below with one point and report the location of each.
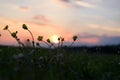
(90, 39)
(103, 27)
(41, 19)
(76, 3)
(24, 8)
(84, 4)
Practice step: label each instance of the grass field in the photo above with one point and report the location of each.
(57, 64)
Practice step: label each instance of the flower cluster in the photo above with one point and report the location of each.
(39, 38)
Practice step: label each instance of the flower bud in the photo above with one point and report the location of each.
(59, 39)
(6, 27)
(48, 40)
(62, 39)
(24, 27)
(75, 38)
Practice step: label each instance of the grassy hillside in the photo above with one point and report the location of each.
(57, 64)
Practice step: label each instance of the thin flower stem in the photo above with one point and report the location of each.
(32, 38)
(46, 43)
(9, 31)
(72, 43)
(61, 43)
(49, 44)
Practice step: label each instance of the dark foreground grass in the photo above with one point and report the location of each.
(45, 64)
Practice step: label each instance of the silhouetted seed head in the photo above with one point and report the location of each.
(24, 27)
(48, 40)
(75, 38)
(6, 27)
(40, 38)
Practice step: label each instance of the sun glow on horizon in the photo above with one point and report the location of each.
(54, 39)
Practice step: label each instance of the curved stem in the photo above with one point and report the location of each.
(32, 38)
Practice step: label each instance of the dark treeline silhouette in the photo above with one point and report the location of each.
(107, 49)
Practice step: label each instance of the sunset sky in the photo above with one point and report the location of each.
(95, 22)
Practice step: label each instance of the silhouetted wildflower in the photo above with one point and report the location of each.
(75, 38)
(48, 40)
(24, 27)
(40, 38)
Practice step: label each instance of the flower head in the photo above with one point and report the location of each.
(14, 35)
(40, 38)
(58, 38)
(48, 40)
(75, 38)
(6, 27)
(24, 27)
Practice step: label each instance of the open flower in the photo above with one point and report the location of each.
(6, 27)
(24, 27)
(40, 38)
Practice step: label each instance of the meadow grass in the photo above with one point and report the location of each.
(46, 65)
